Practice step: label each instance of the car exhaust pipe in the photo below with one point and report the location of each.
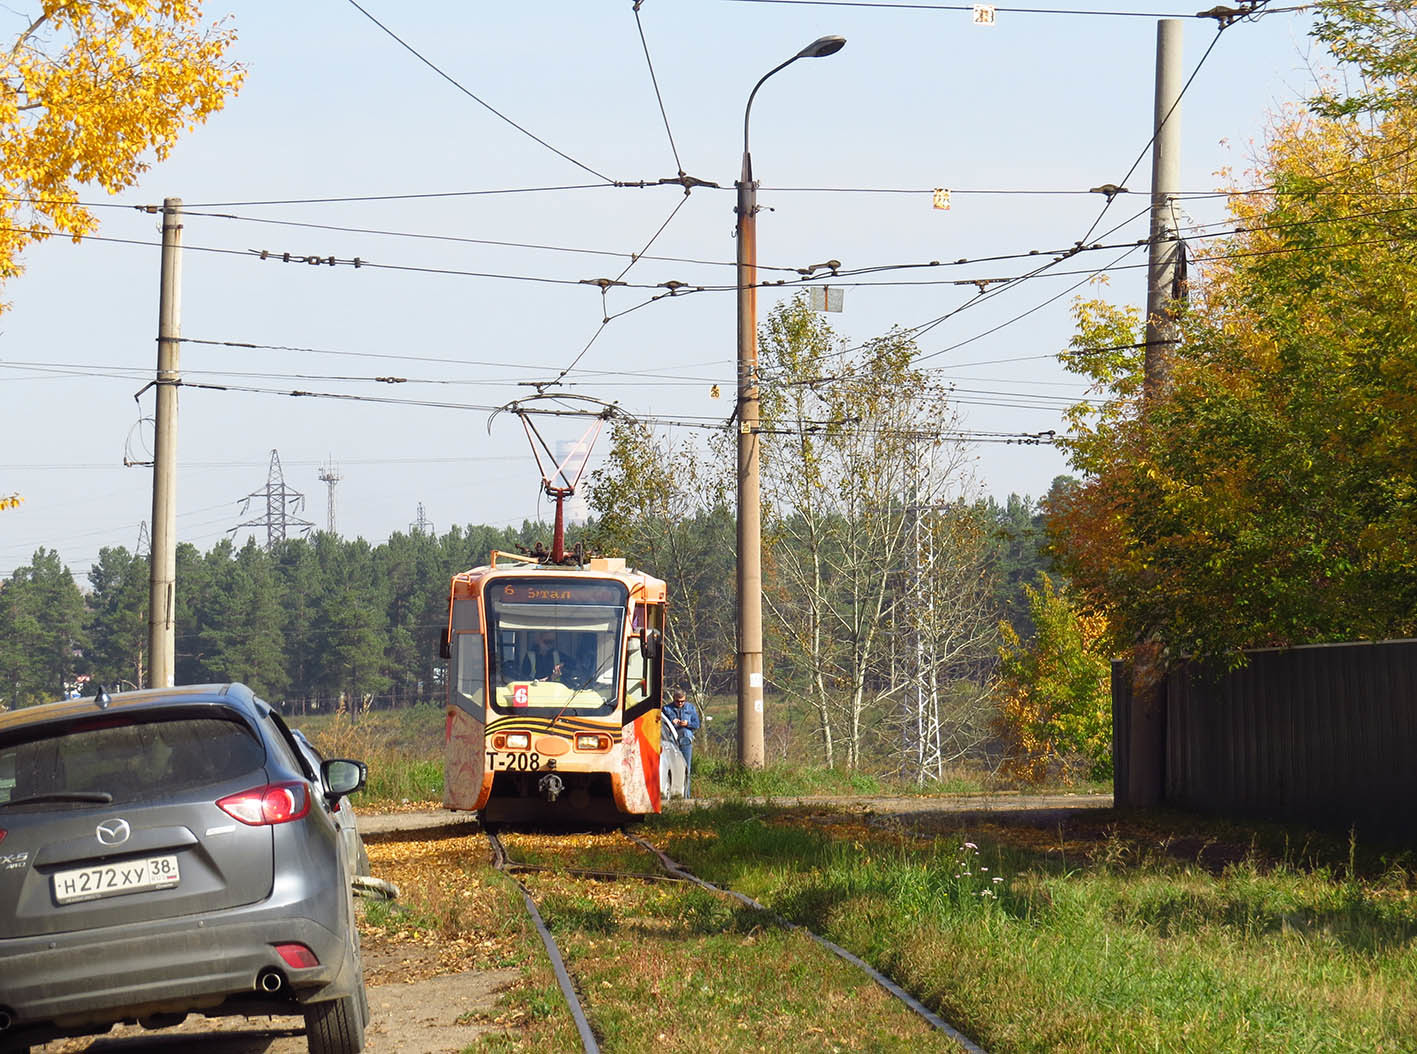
(7, 1018)
(270, 980)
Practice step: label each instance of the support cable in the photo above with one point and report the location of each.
(487, 106)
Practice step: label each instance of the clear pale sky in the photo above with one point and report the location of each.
(335, 108)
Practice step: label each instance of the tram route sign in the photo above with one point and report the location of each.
(521, 591)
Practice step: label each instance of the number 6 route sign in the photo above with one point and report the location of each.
(521, 694)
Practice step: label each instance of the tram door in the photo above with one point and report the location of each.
(644, 694)
(465, 733)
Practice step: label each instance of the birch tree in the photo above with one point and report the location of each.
(92, 91)
(663, 505)
(858, 447)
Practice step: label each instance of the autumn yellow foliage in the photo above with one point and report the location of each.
(9, 501)
(1055, 702)
(91, 92)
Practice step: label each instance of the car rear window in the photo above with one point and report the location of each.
(132, 757)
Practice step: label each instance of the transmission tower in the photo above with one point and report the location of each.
(145, 541)
(422, 525)
(281, 505)
(330, 477)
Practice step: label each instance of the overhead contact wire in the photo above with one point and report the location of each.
(606, 316)
(1157, 131)
(487, 106)
(659, 97)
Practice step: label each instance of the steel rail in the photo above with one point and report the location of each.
(585, 872)
(881, 979)
(558, 965)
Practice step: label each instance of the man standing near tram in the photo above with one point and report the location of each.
(684, 716)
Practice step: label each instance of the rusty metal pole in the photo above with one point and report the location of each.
(751, 752)
(750, 528)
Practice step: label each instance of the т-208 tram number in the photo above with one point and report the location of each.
(517, 761)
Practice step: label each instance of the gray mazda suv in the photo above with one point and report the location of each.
(168, 851)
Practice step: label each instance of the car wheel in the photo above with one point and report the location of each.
(334, 1027)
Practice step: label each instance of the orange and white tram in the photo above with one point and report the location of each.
(555, 676)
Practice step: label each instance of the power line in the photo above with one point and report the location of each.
(659, 97)
(462, 240)
(433, 359)
(485, 105)
(412, 196)
(971, 8)
(1150, 141)
(607, 318)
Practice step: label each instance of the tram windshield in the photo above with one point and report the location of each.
(555, 643)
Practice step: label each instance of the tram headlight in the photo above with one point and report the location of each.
(518, 740)
(590, 741)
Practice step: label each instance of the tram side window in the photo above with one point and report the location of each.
(641, 674)
(636, 674)
(471, 671)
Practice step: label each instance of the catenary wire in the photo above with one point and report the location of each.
(1157, 131)
(658, 95)
(485, 105)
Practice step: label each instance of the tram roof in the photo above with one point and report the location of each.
(643, 587)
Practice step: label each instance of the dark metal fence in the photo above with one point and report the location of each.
(1323, 735)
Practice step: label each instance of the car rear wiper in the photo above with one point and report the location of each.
(94, 797)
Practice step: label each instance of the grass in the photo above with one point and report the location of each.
(403, 749)
(665, 967)
(1122, 949)
(660, 968)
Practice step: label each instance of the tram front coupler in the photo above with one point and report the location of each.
(550, 786)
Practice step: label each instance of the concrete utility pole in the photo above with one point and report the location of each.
(1165, 254)
(750, 527)
(1146, 742)
(162, 599)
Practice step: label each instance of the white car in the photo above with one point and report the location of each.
(673, 773)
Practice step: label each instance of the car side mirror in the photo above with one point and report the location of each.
(342, 776)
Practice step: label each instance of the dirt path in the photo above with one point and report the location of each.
(414, 1017)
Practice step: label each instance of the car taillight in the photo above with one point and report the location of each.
(297, 956)
(2, 834)
(275, 803)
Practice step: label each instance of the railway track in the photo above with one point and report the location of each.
(673, 872)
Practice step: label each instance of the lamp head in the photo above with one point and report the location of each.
(822, 47)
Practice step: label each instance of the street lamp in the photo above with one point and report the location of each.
(750, 526)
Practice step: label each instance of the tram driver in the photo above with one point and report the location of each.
(544, 661)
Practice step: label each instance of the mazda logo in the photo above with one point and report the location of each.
(114, 832)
